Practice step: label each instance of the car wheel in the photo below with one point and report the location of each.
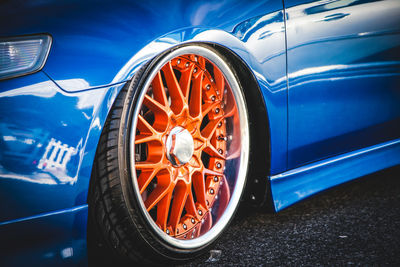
(172, 160)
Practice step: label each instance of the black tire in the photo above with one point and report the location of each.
(117, 219)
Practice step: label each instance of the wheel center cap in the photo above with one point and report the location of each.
(180, 146)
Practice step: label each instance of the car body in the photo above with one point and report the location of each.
(328, 73)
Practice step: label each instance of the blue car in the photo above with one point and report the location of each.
(142, 125)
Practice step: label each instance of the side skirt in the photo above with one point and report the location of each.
(56, 238)
(292, 186)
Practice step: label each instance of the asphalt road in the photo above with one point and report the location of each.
(357, 223)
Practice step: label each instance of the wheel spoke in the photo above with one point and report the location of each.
(163, 210)
(190, 205)
(177, 98)
(164, 186)
(213, 152)
(159, 111)
(211, 172)
(199, 187)
(209, 130)
(202, 62)
(155, 106)
(159, 90)
(196, 96)
(185, 80)
(140, 139)
(145, 178)
(219, 80)
(207, 107)
(180, 196)
(145, 127)
(195, 162)
(146, 165)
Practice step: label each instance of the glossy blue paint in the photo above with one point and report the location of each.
(51, 239)
(46, 146)
(94, 39)
(118, 38)
(58, 112)
(64, 107)
(260, 43)
(343, 75)
(297, 184)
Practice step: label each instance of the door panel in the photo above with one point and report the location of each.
(344, 76)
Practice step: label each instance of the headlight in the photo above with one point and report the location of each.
(23, 55)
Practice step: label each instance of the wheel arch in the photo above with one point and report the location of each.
(257, 191)
(259, 157)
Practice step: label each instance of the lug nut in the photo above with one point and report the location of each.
(211, 80)
(221, 137)
(195, 70)
(196, 59)
(219, 165)
(167, 231)
(216, 110)
(187, 64)
(184, 226)
(220, 151)
(220, 124)
(200, 212)
(178, 62)
(213, 98)
(208, 87)
(211, 191)
(192, 220)
(215, 178)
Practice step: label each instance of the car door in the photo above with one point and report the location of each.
(343, 76)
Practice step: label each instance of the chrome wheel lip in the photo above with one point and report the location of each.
(214, 232)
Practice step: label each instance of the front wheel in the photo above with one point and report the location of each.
(172, 160)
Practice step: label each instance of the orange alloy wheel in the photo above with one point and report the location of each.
(187, 146)
(172, 159)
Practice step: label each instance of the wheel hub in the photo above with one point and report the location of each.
(179, 146)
